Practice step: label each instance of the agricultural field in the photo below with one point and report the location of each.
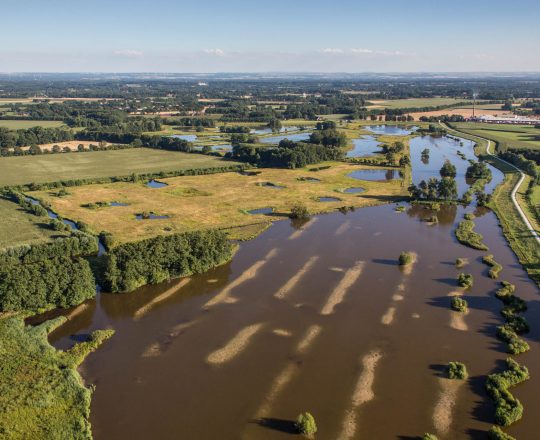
(19, 125)
(19, 227)
(516, 136)
(218, 200)
(414, 102)
(21, 170)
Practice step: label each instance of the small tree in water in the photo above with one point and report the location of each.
(299, 210)
(305, 423)
(406, 258)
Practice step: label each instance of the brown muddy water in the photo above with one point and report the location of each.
(318, 319)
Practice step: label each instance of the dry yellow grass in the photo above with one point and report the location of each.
(215, 201)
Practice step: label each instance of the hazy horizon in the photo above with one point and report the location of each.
(240, 36)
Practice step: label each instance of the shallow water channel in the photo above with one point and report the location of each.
(315, 317)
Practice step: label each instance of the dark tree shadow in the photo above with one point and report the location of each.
(388, 262)
(439, 370)
(281, 425)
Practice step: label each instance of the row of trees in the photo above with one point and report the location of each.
(33, 136)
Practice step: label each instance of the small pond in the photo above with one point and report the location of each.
(270, 185)
(118, 204)
(185, 137)
(354, 190)
(382, 174)
(264, 211)
(296, 137)
(391, 130)
(150, 216)
(364, 147)
(329, 199)
(268, 130)
(155, 184)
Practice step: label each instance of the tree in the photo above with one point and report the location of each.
(447, 188)
(305, 423)
(448, 169)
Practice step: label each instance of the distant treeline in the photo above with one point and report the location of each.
(33, 136)
(150, 261)
(325, 143)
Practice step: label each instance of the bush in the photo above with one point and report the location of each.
(406, 258)
(460, 262)
(496, 433)
(457, 370)
(305, 423)
(299, 211)
(428, 436)
(465, 280)
(459, 304)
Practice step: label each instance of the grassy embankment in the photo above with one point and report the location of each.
(523, 244)
(415, 102)
(20, 170)
(515, 136)
(218, 201)
(19, 227)
(42, 396)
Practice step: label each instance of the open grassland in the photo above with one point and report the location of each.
(517, 136)
(218, 201)
(19, 227)
(53, 167)
(466, 112)
(41, 393)
(529, 204)
(19, 125)
(414, 102)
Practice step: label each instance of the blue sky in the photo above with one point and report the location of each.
(255, 36)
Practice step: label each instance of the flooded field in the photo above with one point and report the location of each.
(364, 147)
(315, 317)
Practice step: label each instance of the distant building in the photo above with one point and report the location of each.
(518, 120)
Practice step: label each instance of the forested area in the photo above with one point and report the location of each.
(150, 261)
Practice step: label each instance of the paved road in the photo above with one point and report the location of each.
(514, 191)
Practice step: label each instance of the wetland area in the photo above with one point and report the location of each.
(319, 316)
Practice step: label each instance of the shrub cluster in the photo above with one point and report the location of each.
(459, 304)
(508, 409)
(495, 268)
(467, 236)
(514, 323)
(465, 280)
(457, 370)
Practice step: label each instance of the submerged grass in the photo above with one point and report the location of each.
(41, 393)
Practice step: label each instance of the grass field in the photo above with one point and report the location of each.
(415, 102)
(18, 125)
(41, 393)
(19, 227)
(517, 136)
(217, 201)
(53, 167)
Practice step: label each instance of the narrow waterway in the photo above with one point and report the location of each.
(315, 317)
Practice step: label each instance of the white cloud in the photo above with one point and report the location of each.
(332, 50)
(129, 53)
(361, 50)
(216, 52)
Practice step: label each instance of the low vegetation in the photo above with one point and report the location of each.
(467, 236)
(41, 393)
(460, 262)
(508, 409)
(457, 370)
(496, 433)
(495, 268)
